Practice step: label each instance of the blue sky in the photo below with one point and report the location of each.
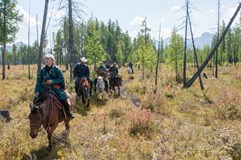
(130, 13)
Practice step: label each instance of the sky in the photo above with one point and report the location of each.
(130, 13)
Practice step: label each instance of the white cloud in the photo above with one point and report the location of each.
(133, 34)
(176, 8)
(165, 32)
(137, 21)
(26, 16)
(212, 11)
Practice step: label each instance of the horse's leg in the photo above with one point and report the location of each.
(88, 103)
(67, 125)
(50, 141)
(50, 132)
(118, 90)
(83, 99)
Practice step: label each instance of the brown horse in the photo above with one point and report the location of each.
(47, 114)
(84, 91)
(115, 81)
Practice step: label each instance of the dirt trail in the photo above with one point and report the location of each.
(125, 93)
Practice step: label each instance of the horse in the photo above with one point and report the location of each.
(115, 81)
(84, 91)
(100, 86)
(130, 72)
(47, 114)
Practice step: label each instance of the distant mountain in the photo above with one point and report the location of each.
(200, 42)
(18, 45)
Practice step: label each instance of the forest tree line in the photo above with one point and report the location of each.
(99, 41)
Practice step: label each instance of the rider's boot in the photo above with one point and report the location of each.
(67, 109)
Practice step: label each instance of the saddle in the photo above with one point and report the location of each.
(41, 99)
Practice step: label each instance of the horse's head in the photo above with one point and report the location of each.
(35, 118)
(100, 79)
(100, 84)
(85, 88)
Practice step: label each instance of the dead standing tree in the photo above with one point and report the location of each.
(158, 58)
(191, 81)
(74, 12)
(188, 23)
(195, 52)
(43, 34)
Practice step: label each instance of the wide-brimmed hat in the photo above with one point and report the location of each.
(83, 59)
(49, 56)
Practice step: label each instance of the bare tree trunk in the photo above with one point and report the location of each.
(29, 76)
(195, 53)
(43, 34)
(5, 39)
(191, 81)
(158, 57)
(185, 45)
(216, 62)
(71, 39)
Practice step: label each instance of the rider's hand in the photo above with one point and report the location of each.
(36, 94)
(48, 82)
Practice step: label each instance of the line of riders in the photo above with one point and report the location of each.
(51, 79)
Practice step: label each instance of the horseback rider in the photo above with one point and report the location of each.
(113, 71)
(107, 65)
(82, 70)
(131, 66)
(50, 76)
(102, 71)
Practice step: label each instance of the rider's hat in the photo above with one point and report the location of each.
(49, 56)
(83, 59)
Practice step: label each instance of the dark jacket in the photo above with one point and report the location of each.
(51, 73)
(81, 70)
(113, 70)
(130, 65)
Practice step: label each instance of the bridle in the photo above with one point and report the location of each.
(41, 118)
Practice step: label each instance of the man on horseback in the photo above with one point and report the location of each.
(113, 71)
(82, 70)
(51, 77)
(131, 67)
(102, 71)
(115, 79)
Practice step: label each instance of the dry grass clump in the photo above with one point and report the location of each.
(231, 139)
(228, 105)
(141, 124)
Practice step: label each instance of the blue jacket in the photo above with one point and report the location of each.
(81, 70)
(101, 71)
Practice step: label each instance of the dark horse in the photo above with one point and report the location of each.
(47, 114)
(115, 81)
(84, 91)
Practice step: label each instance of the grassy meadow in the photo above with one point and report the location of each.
(174, 123)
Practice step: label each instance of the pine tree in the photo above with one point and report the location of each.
(174, 53)
(9, 18)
